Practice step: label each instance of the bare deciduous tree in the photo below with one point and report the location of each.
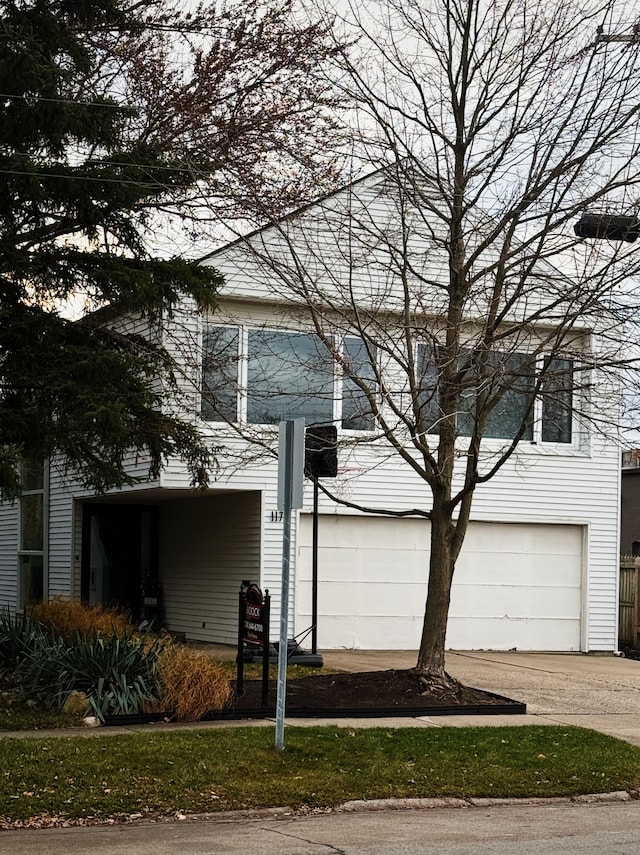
(448, 286)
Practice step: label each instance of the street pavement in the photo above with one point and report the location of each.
(598, 692)
(557, 828)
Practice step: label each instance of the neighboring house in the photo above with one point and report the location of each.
(538, 570)
(630, 503)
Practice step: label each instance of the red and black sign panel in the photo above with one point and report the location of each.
(253, 632)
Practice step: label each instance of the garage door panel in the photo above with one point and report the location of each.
(365, 564)
(557, 571)
(559, 574)
(378, 532)
(526, 569)
(492, 634)
(516, 602)
(394, 600)
(473, 602)
(516, 585)
(360, 600)
(519, 538)
(381, 633)
(475, 569)
(563, 602)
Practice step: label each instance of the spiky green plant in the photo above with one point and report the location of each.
(18, 635)
(117, 673)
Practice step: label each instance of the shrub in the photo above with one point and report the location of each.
(63, 646)
(118, 674)
(61, 618)
(193, 684)
(18, 636)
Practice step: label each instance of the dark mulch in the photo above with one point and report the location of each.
(393, 692)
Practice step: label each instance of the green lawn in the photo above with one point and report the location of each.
(225, 768)
(22, 716)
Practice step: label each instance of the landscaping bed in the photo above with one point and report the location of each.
(369, 693)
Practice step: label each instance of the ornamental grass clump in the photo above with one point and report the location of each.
(62, 618)
(193, 684)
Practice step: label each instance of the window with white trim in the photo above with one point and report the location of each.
(359, 363)
(220, 365)
(289, 375)
(31, 552)
(557, 400)
(506, 385)
(262, 376)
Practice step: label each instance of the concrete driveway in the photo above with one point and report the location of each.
(599, 692)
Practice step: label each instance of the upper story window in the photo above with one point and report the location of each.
(557, 400)
(288, 375)
(356, 410)
(505, 386)
(262, 376)
(220, 367)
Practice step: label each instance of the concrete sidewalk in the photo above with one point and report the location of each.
(597, 692)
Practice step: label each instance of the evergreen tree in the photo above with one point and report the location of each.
(100, 131)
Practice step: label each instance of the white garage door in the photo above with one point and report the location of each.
(516, 585)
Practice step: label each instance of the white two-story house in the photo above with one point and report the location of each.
(310, 304)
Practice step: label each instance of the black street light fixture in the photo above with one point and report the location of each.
(608, 227)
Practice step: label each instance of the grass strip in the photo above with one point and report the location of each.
(228, 768)
(23, 717)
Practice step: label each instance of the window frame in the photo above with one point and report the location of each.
(537, 411)
(244, 330)
(41, 492)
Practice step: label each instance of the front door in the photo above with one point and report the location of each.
(119, 555)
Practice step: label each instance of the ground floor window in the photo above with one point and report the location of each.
(32, 549)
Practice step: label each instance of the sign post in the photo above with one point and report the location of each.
(253, 632)
(320, 461)
(290, 489)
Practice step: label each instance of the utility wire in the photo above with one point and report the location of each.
(187, 170)
(150, 185)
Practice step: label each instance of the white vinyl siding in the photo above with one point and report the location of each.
(61, 534)
(208, 546)
(9, 555)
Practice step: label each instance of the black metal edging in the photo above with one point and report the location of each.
(388, 712)
(514, 708)
(134, 718)
(508, 708)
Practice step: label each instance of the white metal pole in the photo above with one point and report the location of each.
(284, 590)
(284, 624)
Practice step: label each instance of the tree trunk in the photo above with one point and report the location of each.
(441, 564)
